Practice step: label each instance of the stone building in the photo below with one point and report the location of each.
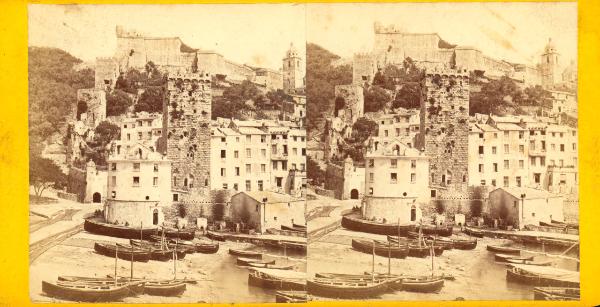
(141, 127)
(295, 109)
(347, 180)
(293, 71)
(364, 68)
(550, 67)
(403, 124)
(444, 131)
(93, 102)
(519, 207)
(396, 183)
(186, 125)
(261, 210)
(106, 73)
(88, 183)
(349, 103)
(564, 102)
(271, 79)
(139, 186)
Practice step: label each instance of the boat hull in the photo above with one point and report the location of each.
(216, 236)
(85, 294)
(556, 294)
(384, 251)
(341, 289)
(503, 250)
(357, 224)
(168, 288)
(291, 297)
(277, 284)
(538, 280)
(122, 253)
(424, 286)
(245, 254)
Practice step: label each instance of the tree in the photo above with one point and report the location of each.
(408, 96)
(363, 128)
(151, 100)
(314, 172)
(117, 103)
(104, 134)
(375, 98)
(496, 97)
(44, 173)
(537, 96)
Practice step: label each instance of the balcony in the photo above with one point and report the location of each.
(537, 152)
(279, 156)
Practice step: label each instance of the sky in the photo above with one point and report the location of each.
(254, 34)
(516, 32)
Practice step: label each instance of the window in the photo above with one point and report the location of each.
(413, 177)
(279, 181)
(533, 161)
(561, 162)
(370, 191)
(113, 181)
(531, 132)
(174, 181)
(521, 134)
(248, 138)
(303, 166)
(295, 151)
(562, 147)
(237, 170)
(155, 181)
(494, 182)
(481, 168)
(260, 185)
(531, 145)
(248, 185)
(263, 152)
(303, 151)
(236, 154)
(495, 135)
(521, 164)
(136, 167)
(506, 149)
(413, 163)
(506, 164)
(222, 139)
(139, 135)
(235, 186)
(284, 165)
(113, 166)
(275, 165)
(128, 137)
(225, 186)
(482, 182)
(543, 145)
(563, 179)
(543, 161)
(505, 181)
(397, 131)
(493, 150)
(394, 163)
(574, 146)
(263, 168)
(274, 149)
(521, 148)
(156, 167)
(175, 197)
(248, 153)
(537, 177)
(385, 133)
(136, 181)
(371, 163)
(248, 168)
(371, 177)
(518, 179)
(495, 167)
(263, 139)
(481, 135)
(505, 134)
(223, 173)
(223, 153)
(394, 177)
(481, 150)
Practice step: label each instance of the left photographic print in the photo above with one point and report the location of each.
(167, 153)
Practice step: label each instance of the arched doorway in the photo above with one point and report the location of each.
(354, 194)
(413, 213)
(97, 198)
(155, 217)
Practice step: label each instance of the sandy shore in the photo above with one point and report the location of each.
(220, 280)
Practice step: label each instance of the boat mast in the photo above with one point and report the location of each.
(373, 262)
(432, 252)
(175, 256)
(116, 253)
(131, 277)
(390, 257)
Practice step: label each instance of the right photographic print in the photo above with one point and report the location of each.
(442, 151)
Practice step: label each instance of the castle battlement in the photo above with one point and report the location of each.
(201, 77)
(444, 71)
(363, 55)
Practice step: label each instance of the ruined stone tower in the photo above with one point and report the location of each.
(186, 125)
(445, 129)
(349, 103)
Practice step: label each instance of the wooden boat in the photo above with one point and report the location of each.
(207, 247)
(298, 226)
(291, 297)
(569, 225)
(244, 253)
(504, 257)
(270, 266)
(441, 242)
(414, 250)
(183, 234)
(529, 262)
(542, 276)
(383, 250)
(552, 225)
(464, 244)
(473, 232)
(105, 229)
(246, 261)
(427, 284)
(164, 287)
(277, 279)
(158, 252)
(292, 246)
(86, 292)
(123, 252)
(292, 228)
(347, 289)
(358, 224)
(440, 230)
(556, 294)
(216, 236)
(503, 249)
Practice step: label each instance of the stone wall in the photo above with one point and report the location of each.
(353, 102)
(444, 127)
(334, 180)
(187, 127)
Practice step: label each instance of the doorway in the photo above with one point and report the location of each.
(155, 217)
(96, 198)
(354, 194)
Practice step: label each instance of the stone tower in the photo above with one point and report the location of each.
(186, 125)
(349, 103)
(550, 65)
(293, 76)
(444, 128)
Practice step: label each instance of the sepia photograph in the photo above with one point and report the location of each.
(442, 151)
(167, 153)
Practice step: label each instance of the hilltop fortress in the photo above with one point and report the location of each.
(429, 50)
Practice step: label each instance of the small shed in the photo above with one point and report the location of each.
(262, 210)
(520, 206)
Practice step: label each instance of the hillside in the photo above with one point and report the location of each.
(321, 79)
(53, 85)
